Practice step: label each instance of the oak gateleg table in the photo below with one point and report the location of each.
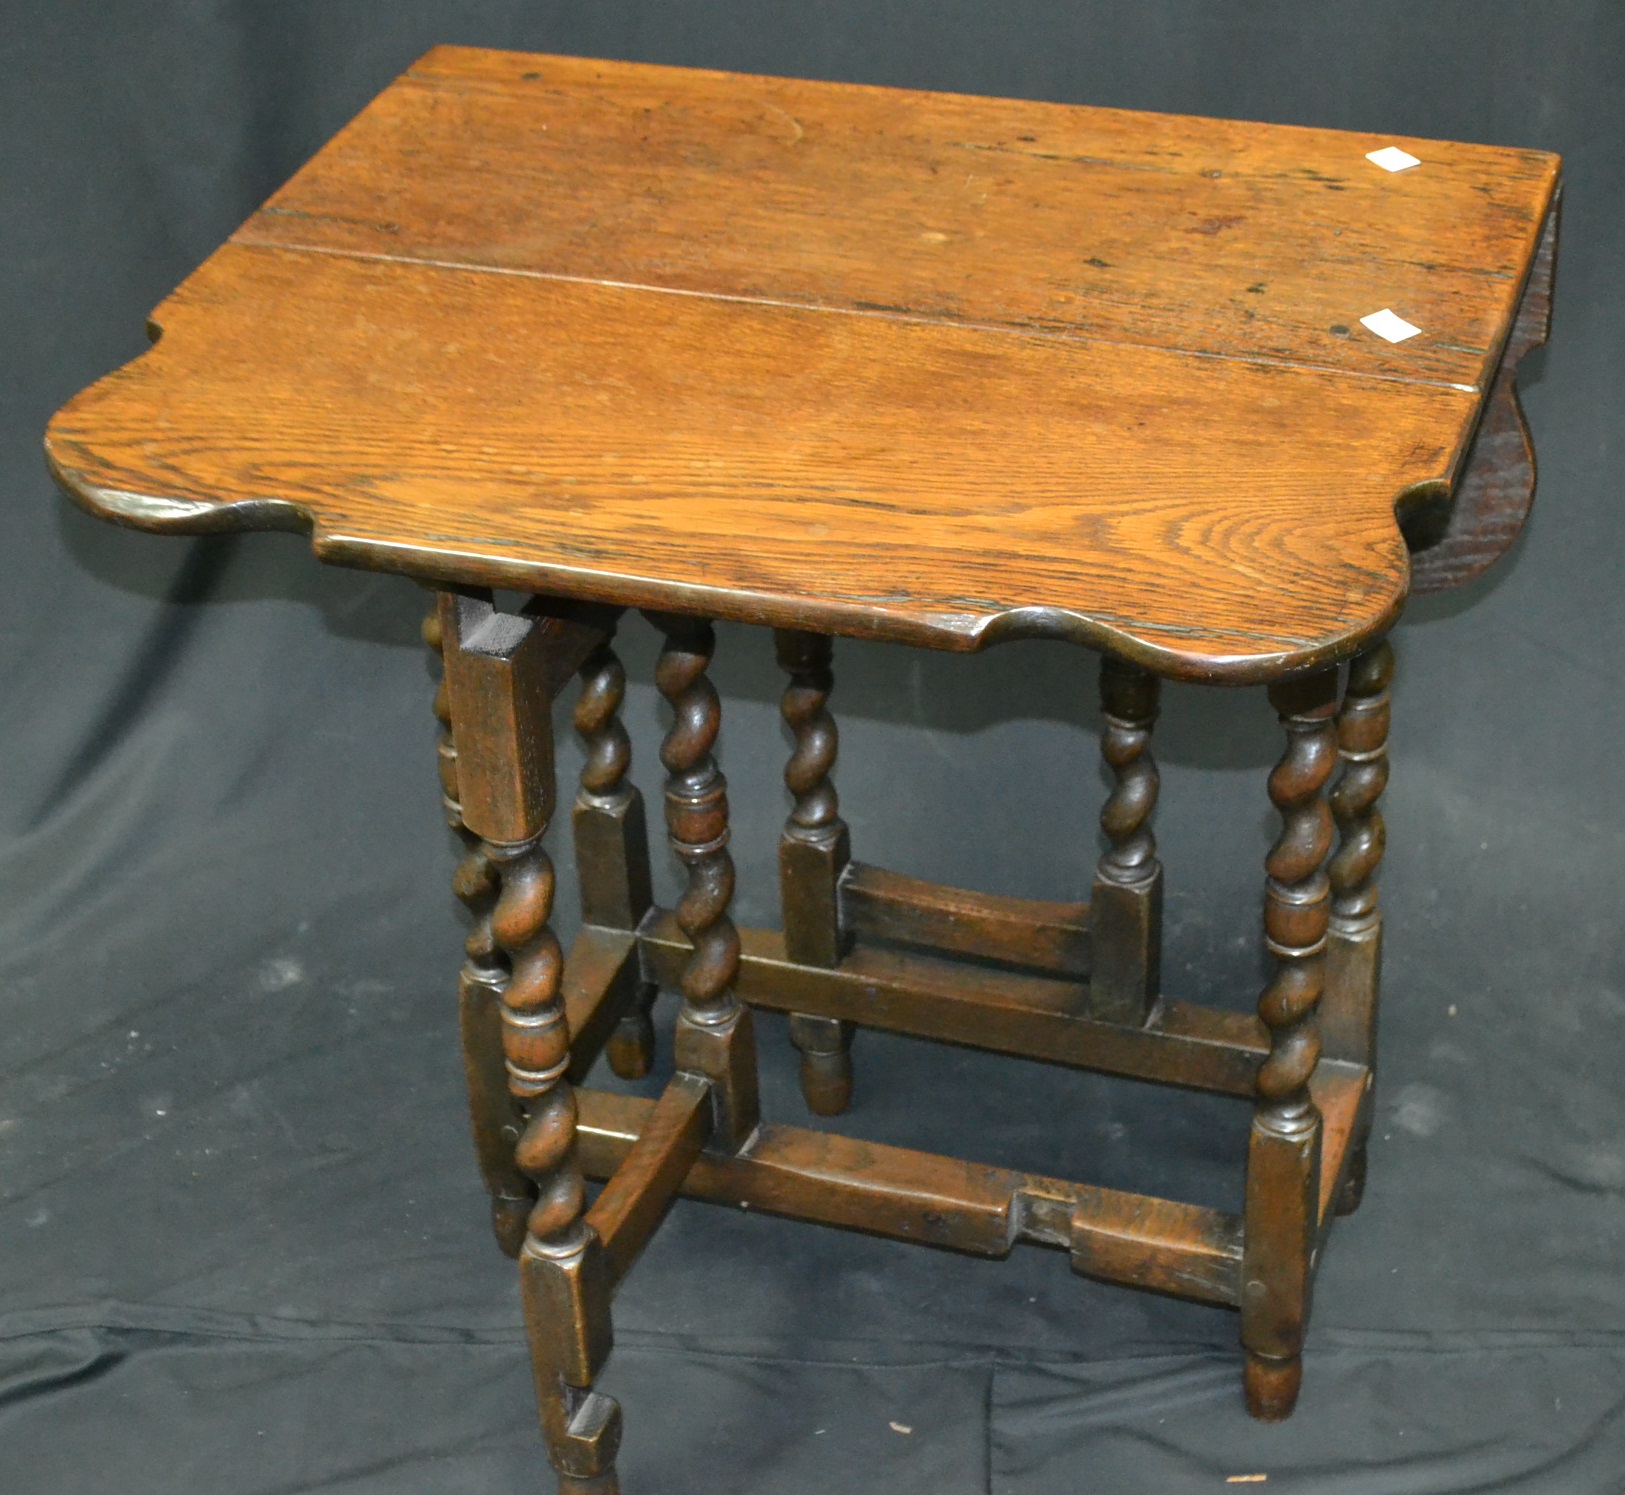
(1211, 399)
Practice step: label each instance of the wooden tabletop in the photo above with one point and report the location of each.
(915, 366)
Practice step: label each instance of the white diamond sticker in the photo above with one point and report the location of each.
(1389, 324)
(1392, 158)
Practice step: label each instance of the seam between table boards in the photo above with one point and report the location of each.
(251, 241)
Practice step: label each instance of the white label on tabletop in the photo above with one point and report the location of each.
(1392, 158)
(1390, 325)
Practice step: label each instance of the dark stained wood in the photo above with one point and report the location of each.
(535, 1035)
(612, 843)
(493, 1111)
(825, 1047)
(496, 1115)
(1157, 1244)
(1462, 539)
(1344, 1095)
(1126, 909)
(1043, 936)
(715, 1037)
(602, 983)
(1283, 1152)
(815, 846)
(814, 849)
(630, 1048)
(835, 1180)
(566, 1297)
(916, 1196)
(502, 672)
(647, 1179)
(445, 744)
(1005, 1011)
(496, 670)
(1348, 1009)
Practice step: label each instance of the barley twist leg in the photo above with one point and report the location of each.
(495, 1116)
(1283, 1158)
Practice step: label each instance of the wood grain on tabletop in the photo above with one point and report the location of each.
(988, 442)
(1208, 235)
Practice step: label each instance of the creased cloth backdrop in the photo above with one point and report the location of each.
(243, 1245)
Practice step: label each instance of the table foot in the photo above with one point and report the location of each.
(1272, 1385)
(631, 1047)
(1353, 1190)
(596, 1484)
(825, 1045)
(508, 1218)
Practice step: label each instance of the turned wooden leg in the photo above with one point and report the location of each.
(1283, 1156)
(564, 1284)
(495, 1114)
(501, 673)
(813, 852)
(715, 1039)
(612, 844)
(1126, 908)
(1348, 1011)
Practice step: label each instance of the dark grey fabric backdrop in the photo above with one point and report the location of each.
(242, 1244)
